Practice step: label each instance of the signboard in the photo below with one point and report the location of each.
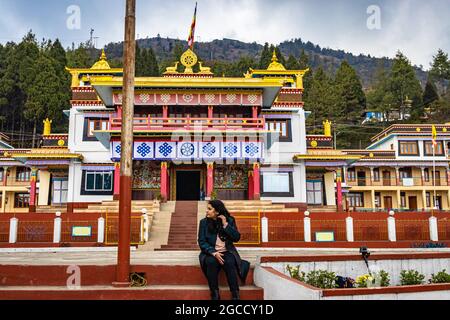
(408, 182)
(84, 231)
(325, 236)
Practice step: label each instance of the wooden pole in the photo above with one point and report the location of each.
(126, 160)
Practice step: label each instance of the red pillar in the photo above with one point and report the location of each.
(119, 112)
(254, 112)
(32, 207)
(168, 186)
(164, 181)
(250, 185)
(165, 112)
(209, 178)
(116, 181)
(339, 190)
(210, 112)
(256, 185)
(5, 175)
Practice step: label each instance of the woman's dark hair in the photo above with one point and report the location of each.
(219, 206)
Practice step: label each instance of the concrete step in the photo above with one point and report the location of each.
(153, 292)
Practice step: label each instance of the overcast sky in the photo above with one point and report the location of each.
(416, 27)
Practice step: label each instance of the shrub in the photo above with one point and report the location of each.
(411, 277)
(321, 279)
(362, 281)
(295, 273)
(384, 277)
(440, 277)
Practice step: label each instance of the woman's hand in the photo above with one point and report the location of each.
(224, 220)
(219, 257)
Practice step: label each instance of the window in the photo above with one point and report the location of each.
(351, 175)
(426, 175)
(23, 174)
(91, 124)
(376, 174)
(402, 200)
(377, 200)
(277, 184)
(428, 148)
(314, 192)
(97, 183)
(282, 126)
(428, 199)
(1, 174)
(59, 191)
(355, 199)
(408, 148)
(21, 200)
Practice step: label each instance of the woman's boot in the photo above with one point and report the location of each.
(215, 295)
(235, 295)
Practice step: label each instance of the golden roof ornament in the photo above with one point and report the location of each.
(275, 65)
(327, 128)
(188, 59)
(47, 127)
(102, 63)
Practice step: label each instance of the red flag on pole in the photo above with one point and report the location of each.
(191, 33)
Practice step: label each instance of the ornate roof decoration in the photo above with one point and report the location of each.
(188, 59)
(101, 64)
(275, 65)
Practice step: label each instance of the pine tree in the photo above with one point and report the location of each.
(139, 62)
(280, 56)
(440, 66)
(292, 63)
(153, 63)
(430, 93)
(349, 87)
(303, 64)
(266, 57)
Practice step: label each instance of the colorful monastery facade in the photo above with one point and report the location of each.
(198, 136)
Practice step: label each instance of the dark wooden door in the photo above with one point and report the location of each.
(386, 178)
(412, 203)
(387, 202)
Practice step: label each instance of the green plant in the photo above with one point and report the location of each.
(362, 281)
(440, 277)
(385, 279)
(295, 273)
(321, 279)
(411, 277)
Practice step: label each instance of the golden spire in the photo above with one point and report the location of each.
(275, 65)
(102, 63)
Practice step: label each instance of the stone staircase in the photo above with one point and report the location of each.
(183, 227)
(238, 206)
(152, 206)
(160, 227)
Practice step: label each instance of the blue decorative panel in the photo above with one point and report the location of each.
(165, 150)
(143, 150)
(115, 150)
(231, 150)
(187, 150)
(210, 150)
(252, 150)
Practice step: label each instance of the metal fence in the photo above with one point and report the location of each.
(370, 230)
(286, 230)
(112, 230)
(412, 229)
(336, 226)
(249, 227)
(443, 229)
(89, 234)
(4, 231)
(35, 231)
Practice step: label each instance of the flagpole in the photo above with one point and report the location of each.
(434, 179)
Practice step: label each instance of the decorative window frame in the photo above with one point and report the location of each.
(87, 121)
(408, 154)
(289, 194)
(85, 192)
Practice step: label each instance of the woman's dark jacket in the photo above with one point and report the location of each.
(207, 241)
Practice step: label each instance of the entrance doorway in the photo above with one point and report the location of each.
(412, 203)
(387, 202)
(188, 185)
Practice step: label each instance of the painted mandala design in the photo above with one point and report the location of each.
(188, 97)
(118, 149)
(251, 149)
(209, 149)
(187, 149)
(165, 98)
(144, 149)
(165, 149)
(119, 98)
(230, 149)
(231, 98)
(210, 98)
(252, 98)
(144, 97)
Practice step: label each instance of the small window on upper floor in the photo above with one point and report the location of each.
(282, 126)
(428, 148)
(408, 148)
(92, 124)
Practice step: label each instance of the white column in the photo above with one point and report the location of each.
(433, 229)
(13, 226)
(264, 229)
(146, 224)
(307, 227)
(349, 228)
(101, 230)
(391, 227)
(57, 228)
